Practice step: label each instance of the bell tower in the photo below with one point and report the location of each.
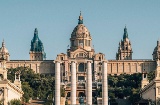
(17, 80)
(37, 49)
(124, 49)
(145, 80)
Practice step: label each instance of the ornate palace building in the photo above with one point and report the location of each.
(83, 55)
(81, 47)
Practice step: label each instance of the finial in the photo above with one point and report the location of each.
(158, 42)
(80, 20)
(3, 44)
(125, 27)
(36, 32)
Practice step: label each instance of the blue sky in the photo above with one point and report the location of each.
(56, 20)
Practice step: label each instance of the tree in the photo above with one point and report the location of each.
(66, 102)
(15, 102)
(124, 86)
(151, 75)
(28, 92)
(62, 92)
(34, 85)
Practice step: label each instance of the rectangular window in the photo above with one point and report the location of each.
(80, 54)
(85, 42)
(89, 43)
(80, 77)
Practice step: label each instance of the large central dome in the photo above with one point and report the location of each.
(80, 36)
(80, 31)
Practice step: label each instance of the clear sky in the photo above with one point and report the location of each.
(56, 19)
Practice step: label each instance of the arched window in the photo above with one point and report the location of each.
(145, 75)
(80, 42)
(81, 67)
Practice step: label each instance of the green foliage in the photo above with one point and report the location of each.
(124, 86)
(15, 102)
(151, 75)
(28, 92)
(66, 102)
(62, 92)
(35, 86)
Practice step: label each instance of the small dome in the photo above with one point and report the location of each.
(3, 49)
(80, 31)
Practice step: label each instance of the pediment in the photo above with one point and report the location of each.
(80, 52)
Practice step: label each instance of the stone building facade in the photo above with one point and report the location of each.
(151, 90)
(8, 90)
(82, 52)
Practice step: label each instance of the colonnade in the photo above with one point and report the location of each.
(88, 82)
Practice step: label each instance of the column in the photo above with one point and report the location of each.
(95, 71)
(89, 83)
(73, 83)
(5, 96)
(57, 83)
(104, 84)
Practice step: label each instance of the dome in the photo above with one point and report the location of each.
(3, 49)
(80, 31)
(80, 37)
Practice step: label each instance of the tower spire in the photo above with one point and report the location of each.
(36, 32)
(80, 20)
(37, 49)
(125, 35)
(124, 49)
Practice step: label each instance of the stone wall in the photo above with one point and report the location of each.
(46, 66)
(114, 66)
(130, 66)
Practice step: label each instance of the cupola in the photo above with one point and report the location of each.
(80, 37)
